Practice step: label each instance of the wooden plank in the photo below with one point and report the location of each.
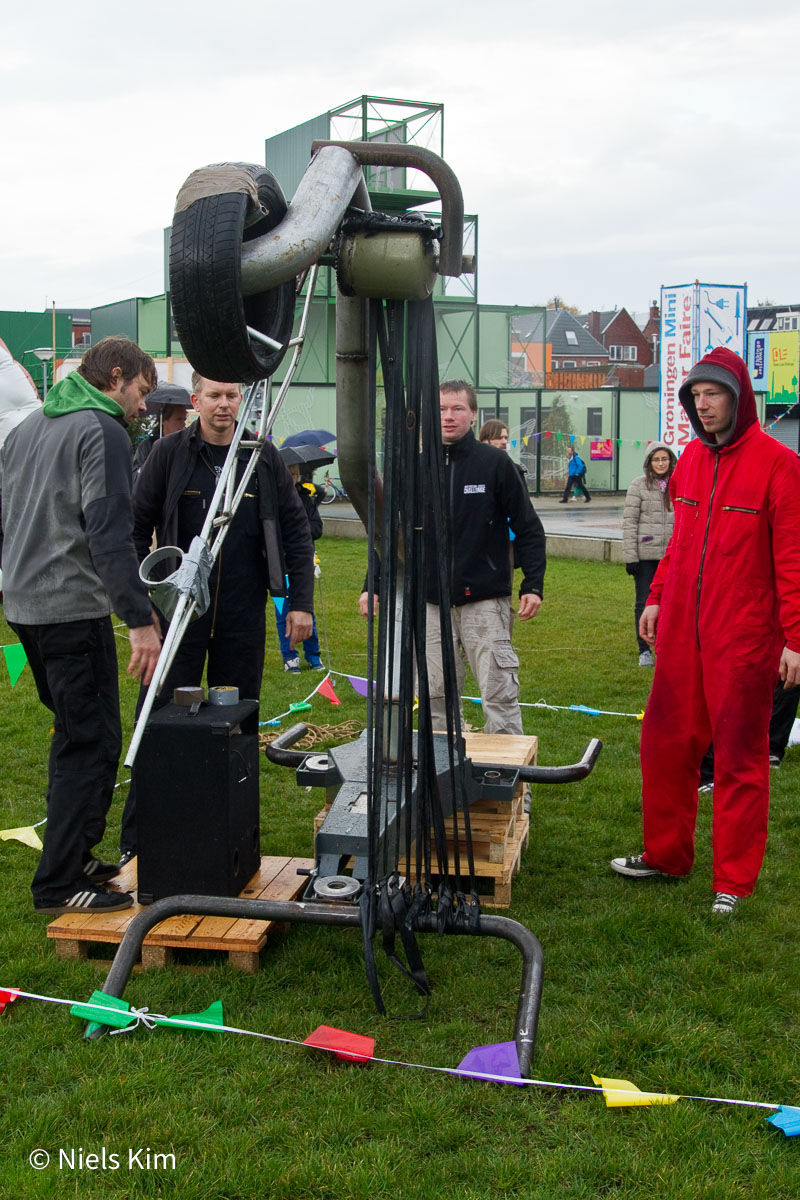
(241, 939)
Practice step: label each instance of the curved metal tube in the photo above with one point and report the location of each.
(567, 774)
(377, 154)
(530, 991)
(277, 751)
(323, 196)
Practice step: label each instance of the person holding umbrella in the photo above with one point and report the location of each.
(301, 459)
(169, 404)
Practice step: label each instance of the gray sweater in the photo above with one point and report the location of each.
(66, 526)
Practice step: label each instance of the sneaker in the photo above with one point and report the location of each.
(99, 871)
(563, 502)
(705, 788)
(646, 659)
(317, 666)
(124, 858)
(292, 665)
(634, 865)
(92, 900)
(724, 903)
(774, 762)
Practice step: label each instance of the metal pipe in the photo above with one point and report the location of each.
(277, 751)
(296, 912)
(352, 407)
(315, 213)
(377, 154)
(567, 774)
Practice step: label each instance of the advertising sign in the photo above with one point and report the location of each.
(696, 318)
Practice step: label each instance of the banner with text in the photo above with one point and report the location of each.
(696, 318)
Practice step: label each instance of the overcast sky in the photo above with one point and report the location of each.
(607, 148)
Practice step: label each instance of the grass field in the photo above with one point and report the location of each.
(641, 983)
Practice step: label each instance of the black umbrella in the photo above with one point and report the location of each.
(306, 437)
(167, 393)
(306, 456)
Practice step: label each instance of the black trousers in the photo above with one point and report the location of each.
(643, 579)
(576, 481)
(235, 655)
(74, 667)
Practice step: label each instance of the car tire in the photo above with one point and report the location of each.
(211, 314)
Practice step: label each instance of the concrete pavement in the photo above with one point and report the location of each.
(574, 530)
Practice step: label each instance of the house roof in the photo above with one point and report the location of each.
(559, 322)
(763, 317)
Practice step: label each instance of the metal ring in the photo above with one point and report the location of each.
(318, 762)
(153, 559)
(337, 887)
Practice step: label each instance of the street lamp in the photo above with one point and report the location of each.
(44, 354)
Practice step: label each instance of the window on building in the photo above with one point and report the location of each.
(786, 322)
(615, 353)
(572, 337)
(753, 324)
(594, 422)
(486, 414)
(569, 362)
(630, 353)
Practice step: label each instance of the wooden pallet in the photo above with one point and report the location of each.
(500, 828)
(241, 939)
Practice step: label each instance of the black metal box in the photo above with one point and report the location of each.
(197, 801)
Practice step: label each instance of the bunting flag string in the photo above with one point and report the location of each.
(492, 1064)
(360, 685)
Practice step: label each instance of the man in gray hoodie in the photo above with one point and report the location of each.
(66, 545)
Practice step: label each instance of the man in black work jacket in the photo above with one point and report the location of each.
(268, 540)
(486, 497)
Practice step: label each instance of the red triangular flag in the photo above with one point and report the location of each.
(7, 998)
(326, 689)
(351, 1047)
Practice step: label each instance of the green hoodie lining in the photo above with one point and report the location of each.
(74, 393)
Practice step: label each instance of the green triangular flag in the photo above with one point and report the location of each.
(15, 661)
(211, 1017)
(117, 1012)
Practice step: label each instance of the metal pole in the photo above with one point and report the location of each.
(530, 991)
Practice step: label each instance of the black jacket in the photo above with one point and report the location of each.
(485, 495)
(284, 526)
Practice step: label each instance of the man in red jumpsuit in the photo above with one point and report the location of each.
(724, 616)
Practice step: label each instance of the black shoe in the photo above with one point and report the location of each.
(91, 900)
(563, 502)
(99, 871)
(124, 858)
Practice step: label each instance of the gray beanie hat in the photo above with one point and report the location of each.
(708, 372)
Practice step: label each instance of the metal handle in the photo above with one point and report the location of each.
(566, 774)
(278, 751)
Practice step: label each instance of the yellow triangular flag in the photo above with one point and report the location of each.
(26, 834)
(619, 1092)
(525, 441)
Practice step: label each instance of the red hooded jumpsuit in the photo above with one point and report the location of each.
(729, 595)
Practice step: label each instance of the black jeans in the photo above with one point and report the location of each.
(579, 482)
(643, 579)
(75, 669)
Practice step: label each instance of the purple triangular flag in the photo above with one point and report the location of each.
(498, 1061)
(358, 684)
(787, 1119)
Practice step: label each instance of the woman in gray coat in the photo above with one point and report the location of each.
(646, 528)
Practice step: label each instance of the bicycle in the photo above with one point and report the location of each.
(333, 490)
